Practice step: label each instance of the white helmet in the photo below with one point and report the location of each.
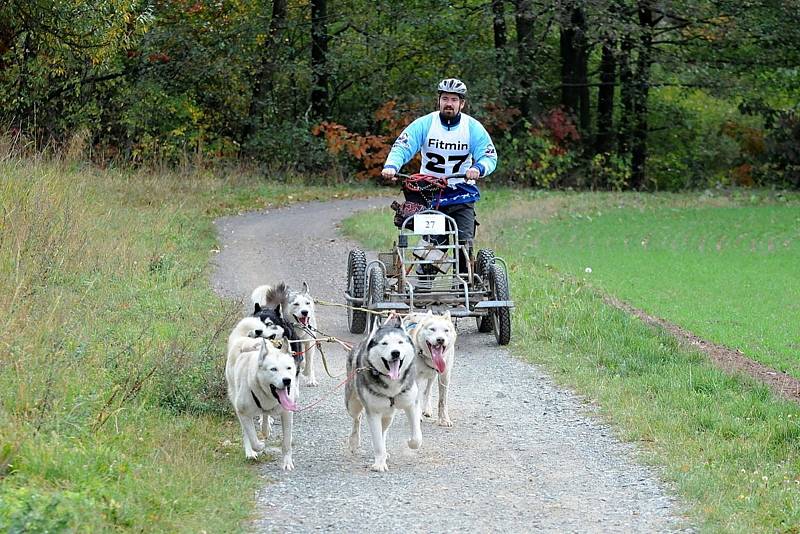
(452, 85)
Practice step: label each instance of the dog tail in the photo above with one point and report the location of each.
(259, 295)
(278, 295)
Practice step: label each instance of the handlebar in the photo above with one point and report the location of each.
(426, 182)
(406, 176)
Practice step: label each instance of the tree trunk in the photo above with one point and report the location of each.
(264, 80)
(626, 96)
(569, 93)
(641, 91)
(525, 94)
(319, 51)
(500, 42)
(605, 98)
(499, 25)
(574, 67)
(582, 69)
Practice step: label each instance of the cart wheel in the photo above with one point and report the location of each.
(484, 258)
(356, 268)
(501, 317)
(377, 290)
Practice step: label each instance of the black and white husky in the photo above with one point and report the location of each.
(385, 381)
(297, 308)
(274, 321)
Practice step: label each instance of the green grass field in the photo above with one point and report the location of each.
(725, 269)
(728, 445)
(113, 415)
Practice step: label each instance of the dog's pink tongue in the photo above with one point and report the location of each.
(437, 355)
(394, 369)
(304, 320)
(286, 402)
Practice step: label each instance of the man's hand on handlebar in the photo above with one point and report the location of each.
(389, 174)
(473, 173)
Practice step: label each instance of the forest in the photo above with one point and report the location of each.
(585, 94)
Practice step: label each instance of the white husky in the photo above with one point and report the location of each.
(297, 308)
(434, 338)
(384, 382)
(260, 382)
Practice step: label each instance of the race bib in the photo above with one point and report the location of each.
(446, 152)
(429, 224)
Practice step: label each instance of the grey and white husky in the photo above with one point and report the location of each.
(297, 308)
(262, 382)
(385, 381)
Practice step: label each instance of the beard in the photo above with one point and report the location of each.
(449, 111)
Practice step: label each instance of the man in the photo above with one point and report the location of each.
(451, 143)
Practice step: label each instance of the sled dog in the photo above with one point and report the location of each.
(245, 337)
(297, 308)
(385, 381)
(434, 338)
(271, 317)
(262, 382)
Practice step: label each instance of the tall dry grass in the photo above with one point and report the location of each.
(110, 335)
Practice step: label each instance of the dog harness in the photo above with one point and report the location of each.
(425, 360)
(255, 398)
(375, 373)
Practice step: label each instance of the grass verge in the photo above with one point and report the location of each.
(112, 408)
(731, 449)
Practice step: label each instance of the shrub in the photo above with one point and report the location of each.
(783, 148)
(545, 154)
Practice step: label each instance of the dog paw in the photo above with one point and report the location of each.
(258, 446)
(288, 464)
(427, 412)
(353, 445)
(380, 467)
(251, 455)
(311, 382)
(445, 422)
(414, 443)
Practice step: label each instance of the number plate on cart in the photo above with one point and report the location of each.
(429, 223)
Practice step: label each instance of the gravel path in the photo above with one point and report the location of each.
(523, 455)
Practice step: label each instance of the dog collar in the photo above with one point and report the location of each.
(391, 399)
(255, 398)
(425, 360)
(409, 327)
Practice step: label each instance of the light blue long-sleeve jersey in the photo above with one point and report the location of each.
(447, 149)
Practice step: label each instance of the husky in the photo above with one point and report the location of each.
(434, 338)
(272, 318)
(261, 382)
(245, 337)
(297, 308)
(385, 381)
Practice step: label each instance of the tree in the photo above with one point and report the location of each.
(319, 51)
(574, 64)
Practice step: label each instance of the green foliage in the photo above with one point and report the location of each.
(783, 148)
(29, 510)
(169, 81)
(545, 154)
(610, 171)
